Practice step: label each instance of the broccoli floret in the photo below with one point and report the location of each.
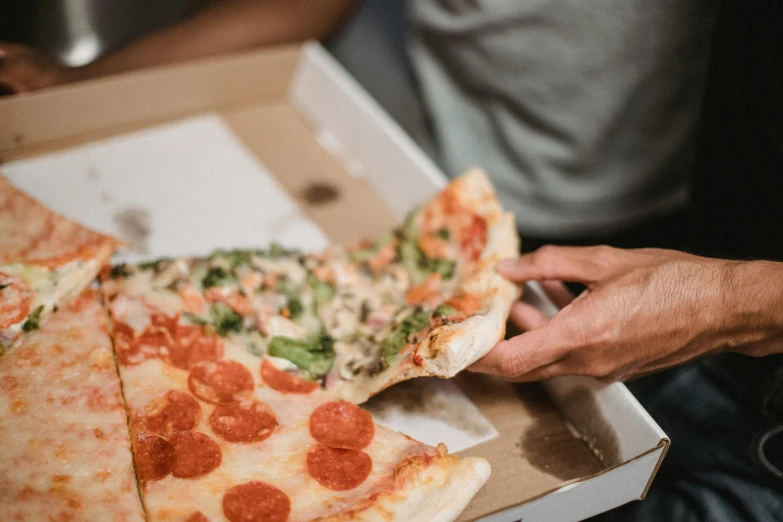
(225, 320)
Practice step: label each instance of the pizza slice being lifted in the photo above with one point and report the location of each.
(45, 259)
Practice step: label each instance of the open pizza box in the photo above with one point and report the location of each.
(282, 145)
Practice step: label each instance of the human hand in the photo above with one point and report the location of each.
(643, 311)
(24, 69)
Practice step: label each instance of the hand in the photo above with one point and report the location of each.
(24, 69)
(642, 311)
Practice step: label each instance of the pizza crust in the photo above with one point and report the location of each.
(449, 349)
(433, 493)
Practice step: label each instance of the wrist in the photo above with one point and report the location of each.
(752, 307)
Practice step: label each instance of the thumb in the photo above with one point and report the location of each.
(574, 264)
(522, 354)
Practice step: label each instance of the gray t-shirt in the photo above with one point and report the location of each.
(581, 111)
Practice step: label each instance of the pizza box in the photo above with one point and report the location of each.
(283, 145)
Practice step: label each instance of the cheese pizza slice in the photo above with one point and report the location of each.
(45, 259)
(223, 434)
(64, 443)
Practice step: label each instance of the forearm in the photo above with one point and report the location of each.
(753, 307)
(224, 26)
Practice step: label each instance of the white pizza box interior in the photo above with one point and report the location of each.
(283, 145)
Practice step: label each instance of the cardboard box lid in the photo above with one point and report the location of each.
(350, 169)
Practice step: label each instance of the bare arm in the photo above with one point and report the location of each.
(643, 311)
(220, 26)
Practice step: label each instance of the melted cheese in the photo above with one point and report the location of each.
(51, 288)
(63, 430)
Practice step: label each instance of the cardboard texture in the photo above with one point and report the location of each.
(564, 451)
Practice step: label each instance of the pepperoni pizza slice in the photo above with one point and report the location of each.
(64, 444)
(45, 259)
(221, 434)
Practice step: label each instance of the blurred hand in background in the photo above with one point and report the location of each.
(220, 26)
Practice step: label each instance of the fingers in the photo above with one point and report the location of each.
(558, 293)
(9, 86)
(527, 317)
(576, 264)
(522, 354)
(8, 49)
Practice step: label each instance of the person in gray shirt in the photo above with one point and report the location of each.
(582, 113)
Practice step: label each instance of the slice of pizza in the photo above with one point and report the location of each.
(223, 434)
(64, 443)
(424, 300)
(453, 307)
(45, 259)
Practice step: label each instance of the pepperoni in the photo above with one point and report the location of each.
(123, 328)
(129, 350)
(338, 469)
(154, 457)
(198, 516)
(220, 381)
(15, 300)
(474, 237)
(174, 411)
(342, 425)
(169, 322)
(285, 382)
(256, 502)
(154, 339)
(191, 347)
(195, 454)
(246, 421)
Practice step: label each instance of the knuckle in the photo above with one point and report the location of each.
(512, 365)
(606, 255)
(543, 254)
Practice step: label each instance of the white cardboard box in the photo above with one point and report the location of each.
(340, 162)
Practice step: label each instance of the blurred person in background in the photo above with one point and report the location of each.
(585, 115)
(701, 338)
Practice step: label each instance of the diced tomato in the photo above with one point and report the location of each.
(466, 303)
(426, 293)
(193, 299)
(251, 282)
(270, 281)
(433, 246)
(16, 299)
(474, 237)
(324, 273)
(382, 259)
(241, 304)
(360, 245)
